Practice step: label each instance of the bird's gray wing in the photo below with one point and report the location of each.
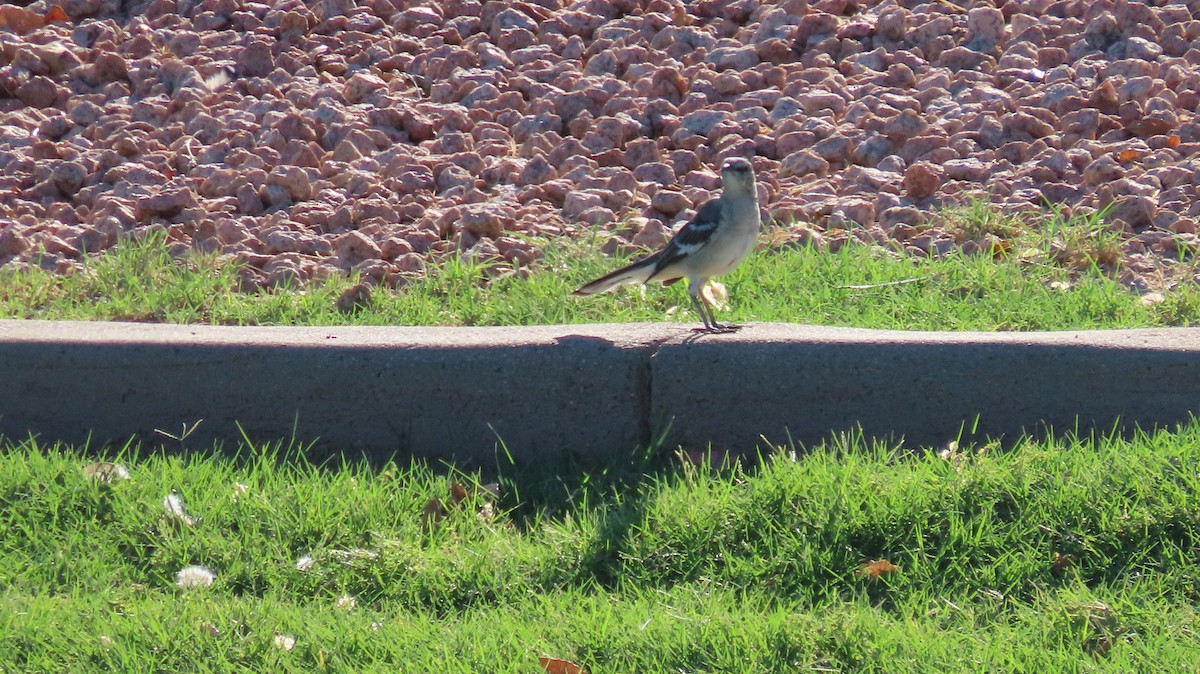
(697, 232)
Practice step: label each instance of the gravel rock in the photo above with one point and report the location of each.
(354, 247)
(167, 203)
(12, 242)
(380, 137)
(292, 179)
(578, 202)
(802, 163)
(1134, 212)
(670, 202)
(922, 180)
(907, 124)
(255, 59)
(985, 29)
(68, 177)
(38, 92)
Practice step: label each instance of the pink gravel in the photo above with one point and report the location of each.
(380, 136)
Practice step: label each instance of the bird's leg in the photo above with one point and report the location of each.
(710, 321)
(700, 309)
(726, 327)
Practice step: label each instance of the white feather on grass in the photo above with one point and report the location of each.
(194, 576)
(173, 504)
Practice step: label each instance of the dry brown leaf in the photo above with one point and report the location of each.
(56, 15)
(103, 471)
(875, 569)
(1098, 647)
(1061, 563)
(1128, 155)
(557, 666)
(433, 513)
(19, 20)
(715, 295)
(486, 495)
(1150, 299)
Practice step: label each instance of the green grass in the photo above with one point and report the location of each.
(1054, 279)
(655, 565)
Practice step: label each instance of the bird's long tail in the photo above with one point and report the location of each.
(638, 272)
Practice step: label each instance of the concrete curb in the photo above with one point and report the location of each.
(584, 390)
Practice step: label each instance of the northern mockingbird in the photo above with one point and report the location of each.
(714, 242)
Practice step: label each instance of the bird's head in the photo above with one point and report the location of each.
(737, 175)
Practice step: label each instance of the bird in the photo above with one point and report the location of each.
(714, 242)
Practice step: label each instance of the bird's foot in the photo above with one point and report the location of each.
(717, 329)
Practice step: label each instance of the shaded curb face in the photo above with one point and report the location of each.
(587, 390)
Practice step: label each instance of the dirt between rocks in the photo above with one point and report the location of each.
(305, 139)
